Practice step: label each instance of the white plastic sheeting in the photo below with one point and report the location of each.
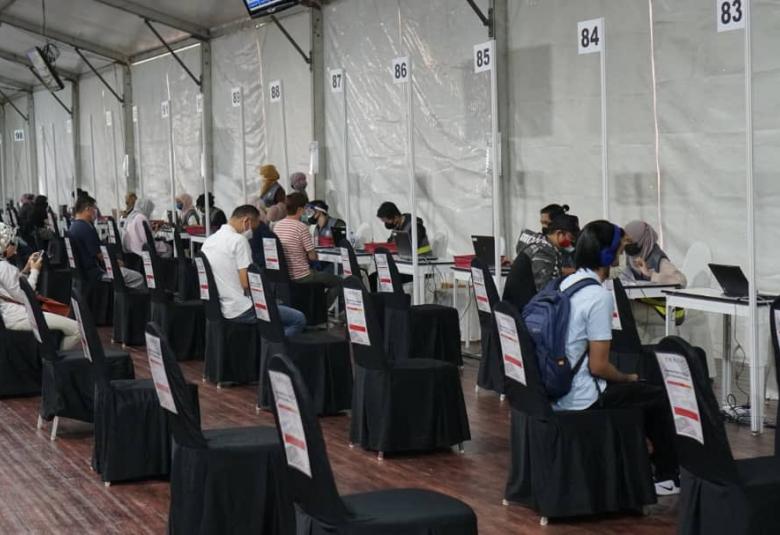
(55, 146)
(451, 108)
(98, 175)
(17, 153)
(155, 81)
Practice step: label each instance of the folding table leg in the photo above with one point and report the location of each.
(54, 428)
(40, 422)
(725, 380)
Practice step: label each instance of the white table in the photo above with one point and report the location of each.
(713, 301)
(425, 267)
(647, 290)
(333, 255)
(463, 274)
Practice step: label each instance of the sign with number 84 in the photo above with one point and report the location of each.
(590, 36)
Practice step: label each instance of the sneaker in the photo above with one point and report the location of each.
(668, 487)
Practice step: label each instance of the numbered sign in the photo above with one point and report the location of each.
(337, 81)
(111, 234)
(84, 345)
(356, 317)
(235, 97)
(159, 377)
(480, 292)
(271, 254)
(165, 109)
(109, 118)
(383, 273)
(203, 280)
(276, 91)
(510, 348)
(401, 70)
(258, 297)
(345, 263)
(148, 270)
(290, 424)
(18, 136)
(69, 251)
(609, 284)
(682, 396)
(483, 57)
(590, 36)
(135, 114)
(107, 262)
(199, 103)
(730, 15)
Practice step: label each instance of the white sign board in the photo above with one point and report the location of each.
(148, 269)
(356, 317)
(199, 103)
(203, 280)
(235, 97)
(590, 36)
(69, 251)
(258, 297)
(276, 91)
(135, 114)
(165, 109)
(384, 277)
(609, 284)
(682, 397)
(84, 344)
(730, 15)
(159, 377)
(271, 254)
(290, 423)
(345, 263)
(18, 136)
(480, 292)
(109, 118)
(68, 126)
(512, 356)
(483, 57)
(107, 262)
(111, 234)
(401, 70)
(337, 80)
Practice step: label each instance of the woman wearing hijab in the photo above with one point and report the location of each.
(134, 237)
(187, 213)
(298, 183)
(646, 261)
(272, 194)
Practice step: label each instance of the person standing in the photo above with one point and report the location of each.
(272, 194)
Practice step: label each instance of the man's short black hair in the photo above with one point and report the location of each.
(295, 201)
(83, 203)
(245, 210)
(594, 238)
(554, 210)
(201, 201)
(388, 210)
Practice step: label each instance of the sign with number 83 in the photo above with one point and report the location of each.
(730, 14)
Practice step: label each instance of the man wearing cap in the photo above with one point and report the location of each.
(546, 251)
(318, 215)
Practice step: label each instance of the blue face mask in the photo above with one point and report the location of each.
(179, 205)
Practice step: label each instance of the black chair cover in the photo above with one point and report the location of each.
(114, 238)
(520, 286)
(417, 331)
(774, 321)
(310, 479)
(98, 294)
(402, 405)
(165, 269)
(572, 463)
(68, 380)
(222, 480)
(232, 348)
(720, 495)
(186, 272)
(20, 363)
(491, 367)
(55, 282)
(131, 307)
(132, 439)
(323, 358)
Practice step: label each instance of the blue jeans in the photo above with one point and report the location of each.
(293, 321)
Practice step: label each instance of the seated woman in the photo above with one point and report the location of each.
(134, 237)
(646, 261)
(12, 297)
(188, 215)
(597, 384)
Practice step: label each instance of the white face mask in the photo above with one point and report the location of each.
(248, 233)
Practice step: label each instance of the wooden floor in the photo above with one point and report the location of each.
(47, 487)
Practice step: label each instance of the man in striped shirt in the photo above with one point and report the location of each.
(299, 248)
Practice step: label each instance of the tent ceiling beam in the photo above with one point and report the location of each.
(70, 40)
(487, 20)
(6, 4)
(16, 84)
(195, 79)
(52, 93)
(100, 76)
(21, 60)
(198, 32)
(11, 102)
(293, 42)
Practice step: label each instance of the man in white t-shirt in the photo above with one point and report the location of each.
(230, 255)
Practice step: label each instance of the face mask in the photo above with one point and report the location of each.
(179, 206)
(633, 249)
(545, 232)
(312, 220)
(247, 234)
(389, 226)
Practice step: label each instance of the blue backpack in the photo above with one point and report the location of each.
(546, 317)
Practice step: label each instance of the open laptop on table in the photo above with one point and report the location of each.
(485, 249)
(734, 282)
(404, 243)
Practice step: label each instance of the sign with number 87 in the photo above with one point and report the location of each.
(590, 36)
(730, 15)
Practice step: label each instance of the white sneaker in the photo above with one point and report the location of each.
(666, 488)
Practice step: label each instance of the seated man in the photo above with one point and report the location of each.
(230, 256)
(546, 250)
(393, 219)
(324, 224)
(217, 217)
(82, 232)
(299, 248)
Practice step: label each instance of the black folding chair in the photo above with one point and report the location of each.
(491, 368)
(520, 287)
(20, 363)
(131, 306)
(98, 293)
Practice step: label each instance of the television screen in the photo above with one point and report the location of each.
(44, 69)
(258, 8)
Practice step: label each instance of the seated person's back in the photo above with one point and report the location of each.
(296, 242)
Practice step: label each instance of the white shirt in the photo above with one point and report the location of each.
(590, 318)
(9, 288)
(228, 251)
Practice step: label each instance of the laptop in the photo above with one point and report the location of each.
(734, 282)
(485, 249)
(403, 240)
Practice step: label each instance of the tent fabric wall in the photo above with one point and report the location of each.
(155, 81)
(55, 138)
(95, 100)
(17, 153)
(451, 107)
